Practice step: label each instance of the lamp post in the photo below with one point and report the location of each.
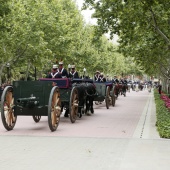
(84, 70)
(132, 78)
(8, 75)
(69, 67)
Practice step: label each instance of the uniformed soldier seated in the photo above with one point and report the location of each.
(97, 76)
(55, 72)
(115, 79)
(102, 78)
(62, 70)
(125, 81)
(73, 73)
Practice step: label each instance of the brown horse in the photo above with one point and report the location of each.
(117, 89)
(120, 89)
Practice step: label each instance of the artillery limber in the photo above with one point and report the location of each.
(68, 95)
(31, 98)
(45, 97)
(73, 94)
(105, 92)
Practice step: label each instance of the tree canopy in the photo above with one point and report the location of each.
(37, 34)
(143, 27)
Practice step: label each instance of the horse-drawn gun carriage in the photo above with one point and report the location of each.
(105, 91)
(76, 95)
(31, 98)
(46, 97)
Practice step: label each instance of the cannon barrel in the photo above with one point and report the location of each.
(28, 102)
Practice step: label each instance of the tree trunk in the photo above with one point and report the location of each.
(1, 71)
(27, 71)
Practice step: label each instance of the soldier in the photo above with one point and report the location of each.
(73, 73)
(62, 70)
(97, 76)
(124, 86)
(115, 79)
(102, 78)
(160, 88)
(123, 80)
(54, 73)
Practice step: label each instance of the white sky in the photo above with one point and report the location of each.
(87, 16)
(86, 13)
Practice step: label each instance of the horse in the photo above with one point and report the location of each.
(117, 89)
(124, 88)
(86, 92)
(120, 88)
(90, 93)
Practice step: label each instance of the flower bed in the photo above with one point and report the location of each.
(162, 102)
(166, 100)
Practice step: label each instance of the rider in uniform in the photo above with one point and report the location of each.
(115, 79)
(125, 81)
(62, 70)
(102, 78)
(54, 73)
(73, 73)
(97, 76)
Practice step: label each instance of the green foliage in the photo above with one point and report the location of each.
(163, 117)
(37, 33)
(4, 8)
(143, 29)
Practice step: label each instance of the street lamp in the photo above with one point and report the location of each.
(84, 70)
(69, 67)
(8, 65)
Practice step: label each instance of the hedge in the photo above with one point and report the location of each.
(162, 114)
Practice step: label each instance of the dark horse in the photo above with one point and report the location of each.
(120, 88)
(124, 89)
(117, 89)
(86, 92)
(90, 92)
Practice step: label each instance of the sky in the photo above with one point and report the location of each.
(87, 17)
(86, 13)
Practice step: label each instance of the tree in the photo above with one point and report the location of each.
(38, 33)
(142, 26)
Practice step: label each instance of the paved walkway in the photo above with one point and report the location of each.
(142, 149)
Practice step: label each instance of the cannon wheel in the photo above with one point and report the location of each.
(36, 118)
(7, 108)
(113, 97)
(73, 105)
(54, 109)
(107, 97)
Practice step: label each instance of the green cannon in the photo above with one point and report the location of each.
(29, 102)
(105, 91)
(31, 98)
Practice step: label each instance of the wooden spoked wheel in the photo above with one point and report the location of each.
(113, 97)
(7, 108)
(36, 118)
(108, 97)
(73, 105)
(54, 109)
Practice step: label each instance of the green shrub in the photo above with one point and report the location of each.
(163, 116)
